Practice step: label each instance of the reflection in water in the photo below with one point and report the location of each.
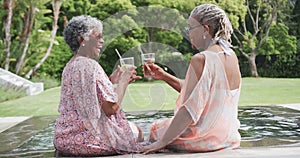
(260, 126)
(268, 121)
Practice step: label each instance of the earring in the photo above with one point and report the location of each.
(83, 44)
(204, 37)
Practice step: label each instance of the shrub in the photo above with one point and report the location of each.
(10, 93)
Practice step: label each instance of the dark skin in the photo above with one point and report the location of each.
(182, 119)
(89, 48)
(110, 108)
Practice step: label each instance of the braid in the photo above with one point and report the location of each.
(216, 19)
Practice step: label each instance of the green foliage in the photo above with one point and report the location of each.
(279, 50)
(139, 34)
(129, 23)
(116, 26)
(174, 63)
(105, 8)
(109, 58)
(53, 66)
(280, 66)
(169, 38)
(183, 6)
(236, 11)
(48, 81)
(69, 9)
(10, 93)
(2, 54)
(165, 57)
(294, 23)
(279, 41)
(38, 45)
(73, 8)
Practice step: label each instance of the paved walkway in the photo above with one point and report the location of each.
(8, 122)
(262, 152)
(291, 106)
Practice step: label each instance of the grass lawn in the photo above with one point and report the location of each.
(159, 96)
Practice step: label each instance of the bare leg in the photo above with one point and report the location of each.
(141, 134)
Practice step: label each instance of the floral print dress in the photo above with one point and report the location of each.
(82, 129)
(213, 108)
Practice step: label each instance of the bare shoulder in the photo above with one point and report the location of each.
(197, 63)
(198, 60)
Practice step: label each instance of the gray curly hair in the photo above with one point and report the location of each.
(80, 26)
(215, 18)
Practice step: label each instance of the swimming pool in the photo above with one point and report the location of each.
(260, 126)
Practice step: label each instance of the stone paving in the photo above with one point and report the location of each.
(8, 122)
(265, 152)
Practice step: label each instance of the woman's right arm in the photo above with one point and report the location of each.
(158, 73)
(110, 108)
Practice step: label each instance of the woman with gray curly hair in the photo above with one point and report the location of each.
(91, 122)
(205, 118)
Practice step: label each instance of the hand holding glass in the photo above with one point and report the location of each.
(145, 59)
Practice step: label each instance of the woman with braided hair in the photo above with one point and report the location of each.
(205, 118)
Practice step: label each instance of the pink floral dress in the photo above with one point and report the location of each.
(82, 129)
(213, 108)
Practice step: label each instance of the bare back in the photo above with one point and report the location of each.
(230, 64)
(231, 67)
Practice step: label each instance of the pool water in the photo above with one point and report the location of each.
(260, 126)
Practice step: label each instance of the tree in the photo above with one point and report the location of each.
(71, 8)
(295, 20)
(56, 4)
(8, 5)
(166, 28)
(21, 31)
(26, 33)
(283, 62)
(255, 27)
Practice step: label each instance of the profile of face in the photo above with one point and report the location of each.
(199, 34)
(91, 45)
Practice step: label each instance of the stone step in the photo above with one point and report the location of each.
(9, 79)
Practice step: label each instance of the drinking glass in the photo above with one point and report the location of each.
(127, 62)
(145, 58)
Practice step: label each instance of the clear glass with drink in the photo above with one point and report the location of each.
(127, 62)
(146, 58)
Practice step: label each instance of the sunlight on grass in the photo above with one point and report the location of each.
(269, 91)
(43, 104)
(154, 96)
(159, 96)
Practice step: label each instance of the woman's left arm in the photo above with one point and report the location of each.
(182, 118)
(180, 122)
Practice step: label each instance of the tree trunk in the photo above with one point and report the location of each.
(56, 7)
(252, 65)
(28, 29)
(8, 5)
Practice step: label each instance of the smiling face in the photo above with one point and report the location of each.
(97, 42)
(91, 45)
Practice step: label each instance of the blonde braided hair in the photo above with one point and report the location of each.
(215, 18)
